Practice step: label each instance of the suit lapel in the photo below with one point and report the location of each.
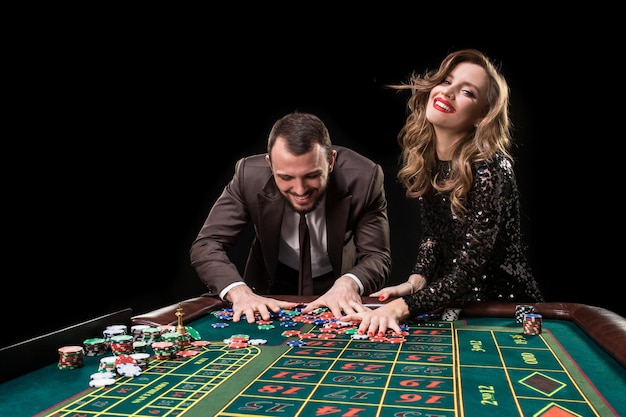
(337, 210)
(271, 208)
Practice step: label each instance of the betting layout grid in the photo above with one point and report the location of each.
(423, 376)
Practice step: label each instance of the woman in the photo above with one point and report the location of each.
(456, 162)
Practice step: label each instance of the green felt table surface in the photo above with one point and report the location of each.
(596, 374)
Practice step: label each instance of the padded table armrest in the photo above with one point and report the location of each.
(192, 309)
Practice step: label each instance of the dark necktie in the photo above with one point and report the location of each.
(305, 276)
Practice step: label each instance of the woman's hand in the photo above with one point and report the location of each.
(376, 321)
(413, 283)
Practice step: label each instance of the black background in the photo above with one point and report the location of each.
(125, 134)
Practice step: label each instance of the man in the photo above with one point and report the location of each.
(342, 195)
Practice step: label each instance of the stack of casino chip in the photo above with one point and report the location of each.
(167, 328)
(520, 310)
(142, 359)
(164, 350)
(140, 347)
(151, 335)
(122, 344)
(451, 314)
(532, 324)
(71, 357)
(184, 340)
(111, 331)
(176, 338)
(115, 327)
(96, 346)
(101, 379)
(107, 364)
(137, 331)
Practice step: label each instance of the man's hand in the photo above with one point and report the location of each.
(247, 303)
(342, 297)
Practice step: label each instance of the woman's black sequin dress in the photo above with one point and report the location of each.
(480, 258)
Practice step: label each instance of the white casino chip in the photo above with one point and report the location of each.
(128, 369)
(101, 382)
(103, 375)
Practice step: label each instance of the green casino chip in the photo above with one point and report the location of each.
(195, 335)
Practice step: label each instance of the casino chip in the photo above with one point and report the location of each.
(200, 343)
(102, 375)
(378, 339)
(128, 369)
(195, 335)
(101, 382)
(123, 359)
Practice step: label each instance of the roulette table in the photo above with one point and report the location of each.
(481, 364)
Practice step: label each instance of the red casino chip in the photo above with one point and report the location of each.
(378, 338)
(239, 339)
(121, 359)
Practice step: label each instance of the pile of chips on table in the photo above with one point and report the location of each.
(328, 327)
(531, 321)
(128, 353)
